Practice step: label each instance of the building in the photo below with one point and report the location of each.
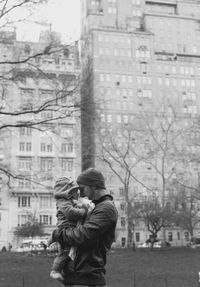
(136, 55)
(40, 130)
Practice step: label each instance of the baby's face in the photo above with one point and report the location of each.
(74, 193)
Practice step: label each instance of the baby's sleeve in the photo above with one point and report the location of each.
(71, 212)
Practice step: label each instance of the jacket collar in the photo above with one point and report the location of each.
(102, 198)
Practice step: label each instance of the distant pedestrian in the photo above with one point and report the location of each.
(9, 247)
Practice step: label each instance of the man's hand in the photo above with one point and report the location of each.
(53, 247)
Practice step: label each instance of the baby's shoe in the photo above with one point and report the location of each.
(56, 275)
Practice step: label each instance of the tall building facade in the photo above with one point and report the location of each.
(135, 55)
(33, 156)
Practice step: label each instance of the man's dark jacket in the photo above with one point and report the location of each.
(93, 239)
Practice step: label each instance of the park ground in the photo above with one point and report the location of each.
(125, 268)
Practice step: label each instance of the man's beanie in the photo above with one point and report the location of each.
(92, 177)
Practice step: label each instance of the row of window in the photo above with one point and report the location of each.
(115, 52)
(124, 52)
(145, 67)
(118, 78)
(114, 39)
(46, 147)
(43, 219)
(174, 82)
(145, 80)
(44, 201)
(187, 109)
(45, 94)
(184, 70)
(46, 164)
(145, 93)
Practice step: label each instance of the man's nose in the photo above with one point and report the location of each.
(81, 192)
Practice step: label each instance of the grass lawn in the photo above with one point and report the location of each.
(125, 268)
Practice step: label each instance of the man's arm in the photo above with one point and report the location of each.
(102, 218)
(71, 212)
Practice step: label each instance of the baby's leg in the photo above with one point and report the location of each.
(56, 269)
(59, 262)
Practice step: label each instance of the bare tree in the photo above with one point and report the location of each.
(149, 152)
(24, 69)
(155, 217)
(187, 210)
(118, 151)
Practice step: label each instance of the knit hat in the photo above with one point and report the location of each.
(65, 183)
(92, 177)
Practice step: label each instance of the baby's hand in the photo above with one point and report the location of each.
(75, 202)
(86, 203)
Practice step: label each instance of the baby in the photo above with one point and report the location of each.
(70, 211)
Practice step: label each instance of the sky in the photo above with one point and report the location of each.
(64, 15)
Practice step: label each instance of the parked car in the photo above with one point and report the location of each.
(157, 244)
(32, 245)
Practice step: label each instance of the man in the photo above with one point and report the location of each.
(94, 238)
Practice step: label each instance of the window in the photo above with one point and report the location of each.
(28, 146)
(125, 118)
(49, 147)
(24, 183)
(45, 202)
(24, 201)
(24, 131)
(22, 219)
(46, 164)
(108, 77)
(112, 10)
(122, 206)
(70, 147)
(42, 147)
(47, 115)
(178, 235)
(137, 12)
(119, 119)
(46, 219)
(21, 146)
(25, 146)
(66, 147)
(144, 94)
(67, 132)
(137, 237)
(25, 163)
(136, 2)
(0, 201)
(109, 118)
(170, 236)
(66, 164)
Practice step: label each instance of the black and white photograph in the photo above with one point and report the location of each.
(99, 143)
